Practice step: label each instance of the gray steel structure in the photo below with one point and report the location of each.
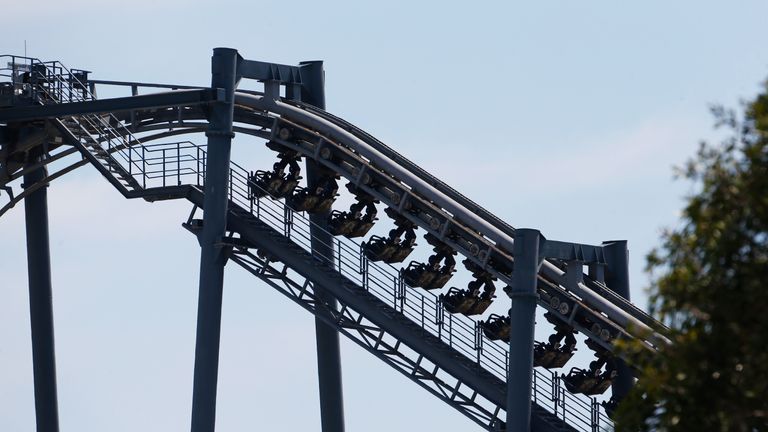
(49, 113)
(212, 255)
(40, 302)
(311, 90)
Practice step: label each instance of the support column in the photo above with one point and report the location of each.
(617, 279)
(327, 338)
(522, 324)
(212, 256)
(41, 304)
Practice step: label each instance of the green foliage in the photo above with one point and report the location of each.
(710, 285)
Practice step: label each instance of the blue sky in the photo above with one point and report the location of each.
(562, 116)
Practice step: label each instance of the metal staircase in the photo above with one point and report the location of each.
(408, 329)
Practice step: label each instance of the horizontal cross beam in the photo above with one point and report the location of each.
(143, 102)
(587, 254)
(262, 71)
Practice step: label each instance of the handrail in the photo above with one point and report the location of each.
(177, 163)
(184, 162)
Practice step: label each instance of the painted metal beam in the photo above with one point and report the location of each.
(326, 127)
(142, 102)
(326, 337)
(617, 279)
(41, 304)
(409, 333)
(212, 255)
(566, 251)
(522, 325)
(263, 71)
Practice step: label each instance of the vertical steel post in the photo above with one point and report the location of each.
(617, 279)
(327, 338)
(212, 256)
(522, 324)
(41, 303)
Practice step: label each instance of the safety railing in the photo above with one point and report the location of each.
(53, 83)
(12, 77)
(585, 414)
(43, 81)
(180, 163)
(177, 163)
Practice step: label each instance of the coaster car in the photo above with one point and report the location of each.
(480, 305)
(427, 276)
(273, 184)
(593, 381)
(354, 223)
(389, 250)
(458, 300)
(468, 301)
(590, 382)
(362, 227)
(342, 223)
(553, 354)
(496, 327)
(483, 280)
(432, 275)
(318, 199)
(392, 249)
(276, 183)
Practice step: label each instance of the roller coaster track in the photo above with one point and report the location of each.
(408, 329)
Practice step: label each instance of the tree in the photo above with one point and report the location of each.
(709, 284)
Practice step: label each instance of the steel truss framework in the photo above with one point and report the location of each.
(52, 116)
(372, 338)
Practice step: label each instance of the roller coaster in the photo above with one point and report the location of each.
(283, 229)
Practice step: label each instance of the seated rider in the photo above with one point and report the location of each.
(327, 187)
(410, 235)
(287, 160)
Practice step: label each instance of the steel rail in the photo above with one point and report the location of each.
(426, 190)
(471, 205)
(498, 232)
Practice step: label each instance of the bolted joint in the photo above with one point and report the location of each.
(219, 133)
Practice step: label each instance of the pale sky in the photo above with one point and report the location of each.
(561, 116)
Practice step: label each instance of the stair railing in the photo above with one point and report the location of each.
(184, 162)
(52, 82)
(166, 164)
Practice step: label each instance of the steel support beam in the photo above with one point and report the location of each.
(263, 71)
(617, 279)
(523, 320)
(327, 338)
(212, 255)
(40, 303)
(143, 102)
